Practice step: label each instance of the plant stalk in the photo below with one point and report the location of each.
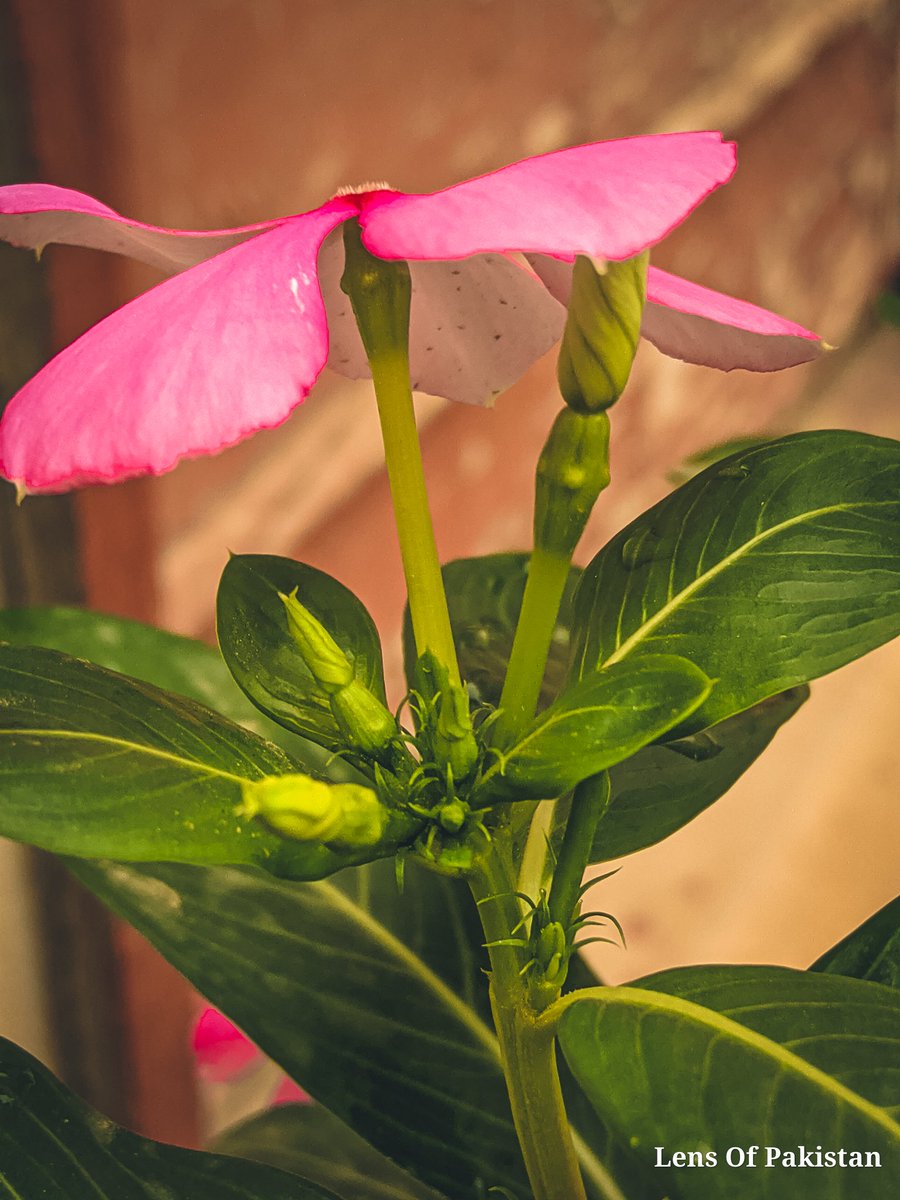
(418, 549)
(547, 575)
(527, 1046)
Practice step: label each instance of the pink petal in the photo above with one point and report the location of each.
(696, 324)
(289, 1093)
(608, 200)
(192, 366)
(35, 214)
(476, 325)
(220, 1048)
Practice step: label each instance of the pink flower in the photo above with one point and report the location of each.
(224, 1053)
(237, 338)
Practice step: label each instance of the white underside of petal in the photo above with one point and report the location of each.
(476, 324)
(170, 251)
(710, 343)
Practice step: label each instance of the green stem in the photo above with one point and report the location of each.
(588, 805)
(547, 575)
(424, 583)
(527, 1046)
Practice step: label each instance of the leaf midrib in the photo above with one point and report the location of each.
(131, 747)
(708, 1018)
(700, 581)
(466, 1015)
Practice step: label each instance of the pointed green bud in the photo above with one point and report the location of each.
(602, 331)
(327, 662)
(453, 741)
(367, 724)
(572, 471)
(310, 810)
(379, 291)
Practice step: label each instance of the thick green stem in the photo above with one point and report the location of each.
(527, 1047)
(425, 587)
(547, 575)
(380, 294)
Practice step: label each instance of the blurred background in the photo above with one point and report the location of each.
(225, 112)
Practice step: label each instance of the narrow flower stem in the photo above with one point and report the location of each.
(588, 804)
(547, 575)
(424, 583)
(527, 1047)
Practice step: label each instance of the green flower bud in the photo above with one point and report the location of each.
(572, 471)
(310, 810)
(452, 816)
(361, 717)
(327, 662)
(453, 741)
(364, 721)
(602, 330)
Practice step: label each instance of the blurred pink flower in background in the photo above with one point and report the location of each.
(223, 1054)
(236, 340)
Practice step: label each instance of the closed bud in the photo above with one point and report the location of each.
(572, 471)
(602, 330)
(327, 662)
(365, 722)
(453, 741)
(310, 810)
(362, 718)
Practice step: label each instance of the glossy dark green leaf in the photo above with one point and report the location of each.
(870, 952)
(703, 1059)
(773, 567)
(94, 763)
(367, 999)
(665, 786)
(260, 653)
(484, 596)
(53, 1147)
(311, 1142)
(603, 719)
(175, 664)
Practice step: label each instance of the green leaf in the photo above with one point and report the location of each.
(175, 664)
(93, 763)
(310, 1141)
(607, 717)
(662, 787)
(262, 656)
(366, 998)
(484, 596)
(773, 567)
(704, 1059)
(870, 952)
(53, 1147)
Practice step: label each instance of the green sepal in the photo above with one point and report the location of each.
(600, 721)
(263, 656)
(602, 331)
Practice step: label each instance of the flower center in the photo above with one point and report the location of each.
(361, 189)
